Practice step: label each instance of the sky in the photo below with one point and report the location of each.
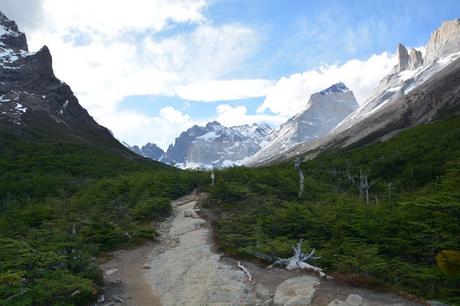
(150, 69)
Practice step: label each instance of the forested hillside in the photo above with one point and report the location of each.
(62, 204)
(392, 240)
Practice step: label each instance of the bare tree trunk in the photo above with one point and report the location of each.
(301, 176)
(243, 268)
(298, 261)
(213, 177)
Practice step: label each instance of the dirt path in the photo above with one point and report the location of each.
(184, 269)
(125, 280)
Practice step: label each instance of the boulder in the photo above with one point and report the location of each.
(296, 291)
(337, 303)
(355, 300)
(262, 292)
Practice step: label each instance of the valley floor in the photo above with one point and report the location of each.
(184, 269)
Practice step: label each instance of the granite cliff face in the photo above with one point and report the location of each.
(325, 110)
(444, 41)
(150, 150)
(407, 60)
(33, 99)
(215, 145)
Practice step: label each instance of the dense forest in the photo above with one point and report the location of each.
(63, 204)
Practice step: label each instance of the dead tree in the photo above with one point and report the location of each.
(364, 185)
(301, 177)
(298, 261)
(389, 189)
(213, 177)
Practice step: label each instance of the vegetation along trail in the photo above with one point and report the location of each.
(184, 269)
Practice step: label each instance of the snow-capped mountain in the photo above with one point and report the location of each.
(411, 71)
(325, 110)
(419, 90)
(215, 145)
(150, 150)
(33, 100)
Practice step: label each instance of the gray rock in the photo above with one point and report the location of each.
(416, 59)
(355, 300)
(32, 97)
(445, 40)
(337, 303)
(436, 303)
(325, 110)
(262, 292)
(296, 291)
(150, 150)
(403, 58)
(215, 145)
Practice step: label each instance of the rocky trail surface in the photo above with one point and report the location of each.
(184, 269)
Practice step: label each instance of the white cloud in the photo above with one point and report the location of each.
(109, 18)
(290, 94)
(138, 129)
(110, 49)
(224, 90)
(231, 116)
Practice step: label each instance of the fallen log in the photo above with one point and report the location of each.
(243, 268)
(298, 261)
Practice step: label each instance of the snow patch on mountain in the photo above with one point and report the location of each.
(215, 145)
(325, 110)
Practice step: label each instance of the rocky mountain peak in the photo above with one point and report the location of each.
(32, 97)
(215, 145)
(415, 59)
(403, 58)
(10, 36)
(407, 60)
(326, 109)
(443, 41)
(336, 88)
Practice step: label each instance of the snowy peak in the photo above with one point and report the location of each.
(336, 88)
(412, 71)
(32, 97)
(326, 109)
(443, 41)
(10, 36)
(150, 150)
(215, 145)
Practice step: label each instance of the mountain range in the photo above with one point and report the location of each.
(413, 94)
(421, 88)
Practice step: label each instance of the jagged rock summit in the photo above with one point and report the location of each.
(10, 36)
(418, 91)
(443, 41)
(215, 145)
(150, 150)
(407, 60)
(324, 111)
(33, 99)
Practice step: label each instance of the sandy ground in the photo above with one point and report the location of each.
(125, 280)
(183, 268)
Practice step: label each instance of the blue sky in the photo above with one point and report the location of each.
(148, 69)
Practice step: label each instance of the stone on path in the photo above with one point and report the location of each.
(296, 291)
(354, 299)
